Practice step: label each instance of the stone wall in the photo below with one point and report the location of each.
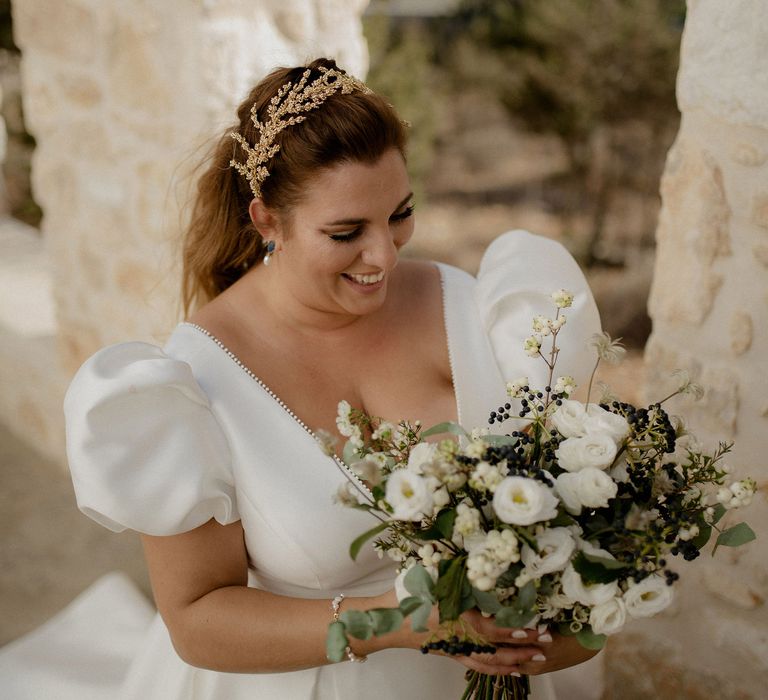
(121, 98)
(709, 305)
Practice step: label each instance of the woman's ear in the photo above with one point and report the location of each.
(264, 220)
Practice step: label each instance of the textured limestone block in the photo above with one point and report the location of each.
(724, 53)
(642, 667)
(741, 332)
(760, 251)
(65, 29)
(760, 209)
(693, 231)
(749, 155)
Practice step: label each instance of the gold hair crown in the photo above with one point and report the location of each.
(287, 107)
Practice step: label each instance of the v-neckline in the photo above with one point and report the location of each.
(347, 469)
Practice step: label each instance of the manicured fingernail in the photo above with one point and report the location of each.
(519, 634)
(539, 657)
(516, 674)
(545, 637)
(541, 629)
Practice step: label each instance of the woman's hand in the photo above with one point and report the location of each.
(522, 651)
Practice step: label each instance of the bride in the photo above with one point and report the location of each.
(296, 298)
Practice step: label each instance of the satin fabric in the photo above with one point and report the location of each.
(160, 440)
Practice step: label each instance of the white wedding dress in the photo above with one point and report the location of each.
(160, 440)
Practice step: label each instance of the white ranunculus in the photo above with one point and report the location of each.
(588, 488)
(409, 496)
(608, 617)
(522, 501)
(601, 421)
(587, 593)
(421, 455)
(596, 450)
(555, 548)
(569, 418)
(647, 598)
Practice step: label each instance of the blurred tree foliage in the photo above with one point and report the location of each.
(403, 68)
(600, 74)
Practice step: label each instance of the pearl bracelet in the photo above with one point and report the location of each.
(336, 607)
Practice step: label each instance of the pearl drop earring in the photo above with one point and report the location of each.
(270, 250)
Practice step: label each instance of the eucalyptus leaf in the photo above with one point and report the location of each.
(444, 522)
(420, 616)
(705, 532)
(419, 583)
(336, 642)
(357, 623)
(354, 548)
(487, 602)
(409, 604)
(735, 536)
(385, 620)
(447, 427)
(449, 589)
(500, 440)
(720, 511)
(526, 597)
(610, 564)
(593, 572)
(511, 616)
(589, 640)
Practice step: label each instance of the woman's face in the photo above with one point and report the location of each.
(343, 239)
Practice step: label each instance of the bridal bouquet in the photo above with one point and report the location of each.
(570, 520)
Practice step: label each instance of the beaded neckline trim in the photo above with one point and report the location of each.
(339, 462)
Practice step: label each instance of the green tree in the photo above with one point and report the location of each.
(600, 74)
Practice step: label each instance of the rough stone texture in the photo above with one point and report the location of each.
(709, 305)
(121, 98)
(725, 48)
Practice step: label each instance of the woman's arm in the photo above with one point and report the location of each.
(199, 579)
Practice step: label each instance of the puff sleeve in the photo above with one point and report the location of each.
(517, 276)
(144, 449)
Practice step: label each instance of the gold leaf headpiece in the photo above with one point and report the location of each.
(288, 107)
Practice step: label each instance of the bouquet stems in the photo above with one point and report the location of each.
(481, 686)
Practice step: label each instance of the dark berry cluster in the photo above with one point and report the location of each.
(457, 647)
(689, 550)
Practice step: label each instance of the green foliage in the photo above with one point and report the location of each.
(735, 536)
(354, 548)
(596, 569)
(589, 640)
(452, 588)
(402, 68)
(522, 609)
(336, 641)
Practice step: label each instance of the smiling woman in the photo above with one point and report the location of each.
(208, 447)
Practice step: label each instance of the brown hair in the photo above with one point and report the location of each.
(220, 243)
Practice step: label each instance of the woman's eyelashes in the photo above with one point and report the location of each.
(395, 218)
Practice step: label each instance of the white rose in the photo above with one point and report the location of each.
(647, 598)
(522, 501)
(555, 548)
(569, 418)
(601, 421)
(421, 455)
(409, 496)
(587, 593)
(596, 450)
(620, 472)
(589, 488)
(608, 617)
